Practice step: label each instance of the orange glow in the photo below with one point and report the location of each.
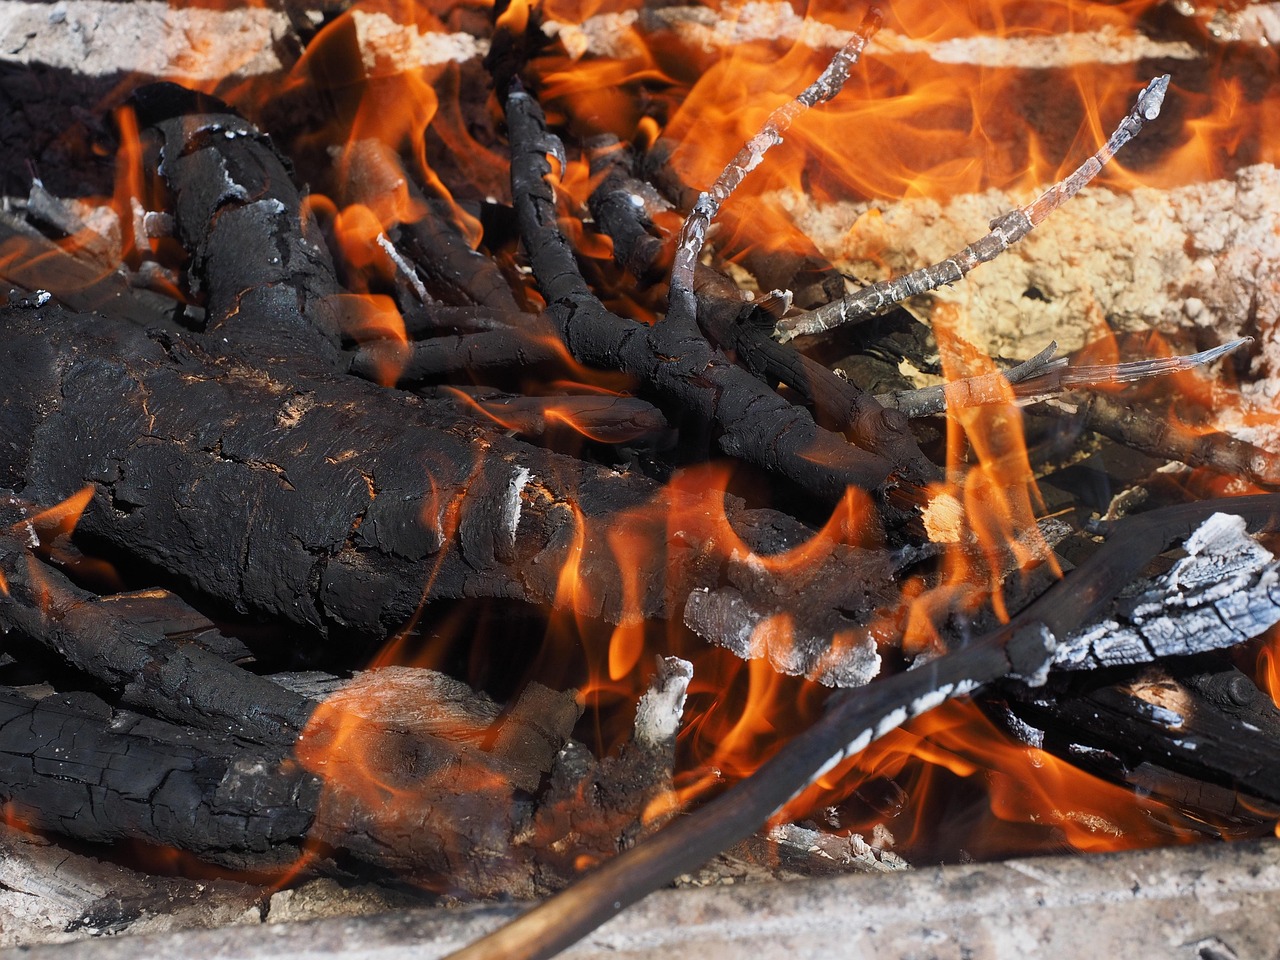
(930, 114)
(130, 185)
(1026, 787)
(61, 519)
(1268, 669)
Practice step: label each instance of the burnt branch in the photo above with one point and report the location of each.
(1157, 435)
(1043, 377)
(682, 308)
(116, 641)
(683, 370)
(373, 176)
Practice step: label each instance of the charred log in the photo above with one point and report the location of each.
(327, 502)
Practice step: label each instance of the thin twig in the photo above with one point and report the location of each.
(1006, 230)
(969, 392)
(1042, 377)
(681, 305)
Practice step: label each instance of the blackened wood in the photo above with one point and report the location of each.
(1022, 648)
(1161, 435)
(1211, 726)
(327, 502)
(71, 764)
(745, 331)
(132, 656)
(479, 354)
(372, 175)
(620, 206)
(267, 275)
(688, 373)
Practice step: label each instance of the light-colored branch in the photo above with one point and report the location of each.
(682, 307)
(1041, 378)
(1006, 230)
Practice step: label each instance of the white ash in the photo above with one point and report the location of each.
(1226, 590)
(1255, 23)
(619, 35)
(725, 617)
(143, 37)
(511, 508)
(851, 851)
(1202, 255)
(389, 46)
(661, 706)
(193, 43)
(1205, 253)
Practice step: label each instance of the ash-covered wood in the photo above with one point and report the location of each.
(50, 895)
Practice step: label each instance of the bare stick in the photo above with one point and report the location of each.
(969, 392)
(1006, 230)
(1158, 436)
(1041, 377)
(681, 304)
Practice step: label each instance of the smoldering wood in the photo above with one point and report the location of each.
(329, 503)
(681, 306)
(741, 327)
(483, 355)
(1022, 649)
(687, 373)
(116, 642)
(1198, 733)
(799, 267)
(521, 742)
(970, 391)
(1156, 434)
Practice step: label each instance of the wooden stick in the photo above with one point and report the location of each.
(682, 307)
(1006, 230)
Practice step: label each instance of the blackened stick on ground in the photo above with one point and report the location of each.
(1005, 231)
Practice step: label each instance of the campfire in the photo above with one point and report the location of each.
(531, 451)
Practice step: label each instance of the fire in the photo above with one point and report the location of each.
(953, 756)
(1268, 668)
(928, 118)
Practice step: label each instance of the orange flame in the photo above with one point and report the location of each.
(1026, 788)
